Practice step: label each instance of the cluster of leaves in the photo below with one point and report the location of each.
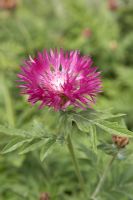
(37, 137)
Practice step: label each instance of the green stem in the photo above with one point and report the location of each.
(75, 162)
(8, 101)
(102, 179)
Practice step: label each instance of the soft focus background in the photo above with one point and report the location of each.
(101, 29)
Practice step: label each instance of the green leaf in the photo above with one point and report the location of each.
(38, 129)
(33, 131)
(94, 140)
(85, 119)
(33, 146)
(107, 148)
(46, 148)
(124, 193)
(89, 153)
(82, 123)
(14, 144)
(65, 124)
(99, 115)
(114, 128)
(14, 132)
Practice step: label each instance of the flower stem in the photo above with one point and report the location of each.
(75, 162)
(102, 179)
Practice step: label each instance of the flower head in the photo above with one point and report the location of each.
(59, 79)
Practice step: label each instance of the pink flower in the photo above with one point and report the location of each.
(59, 80)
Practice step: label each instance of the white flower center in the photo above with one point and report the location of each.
(57, 82)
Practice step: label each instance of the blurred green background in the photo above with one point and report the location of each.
(101, 29)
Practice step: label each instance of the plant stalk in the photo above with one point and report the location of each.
(102, 179)
(75, 162)
(8, 101)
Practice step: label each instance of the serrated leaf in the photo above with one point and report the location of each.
(33, 146)
(114, 128)
(45, 150)
(14, 144)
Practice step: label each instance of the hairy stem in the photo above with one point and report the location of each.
(75, 162)
(102, 179)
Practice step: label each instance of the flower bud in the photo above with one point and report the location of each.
(8, 4)
(44, 196)
(112, 5)
(120, 141)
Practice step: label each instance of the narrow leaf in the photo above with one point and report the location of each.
(46, 148)
(114, 128)
(33, 146)
(14, 132)
(33, 132)
(99, 115)
(14, 144)
(93, 138)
